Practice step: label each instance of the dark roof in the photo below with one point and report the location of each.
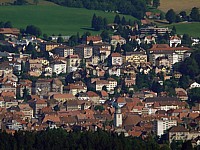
(159, 99)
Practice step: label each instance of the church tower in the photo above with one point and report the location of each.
(118, 117)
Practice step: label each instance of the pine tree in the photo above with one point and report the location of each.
(94, 21)
(117, 19)
(123, 22)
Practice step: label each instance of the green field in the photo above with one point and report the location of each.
(53, 19)
(191, 28)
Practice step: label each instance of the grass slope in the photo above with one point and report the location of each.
(178, 5)
(191, 28)
(53, 19)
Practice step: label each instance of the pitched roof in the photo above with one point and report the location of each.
(92, 94)
(165, 47)
(116, 55)
(178, 129)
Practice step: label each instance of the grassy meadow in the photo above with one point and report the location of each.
(53, 19)
(178, 5)
(191, 28)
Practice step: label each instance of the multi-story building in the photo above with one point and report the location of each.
(48, 46)
(161, 125)
(63, 51)
(116, 59)
(59, 67)
(154, 30)
(73, 62)
(173, 54)
(83, 51)
(135, 57)
(27, 110)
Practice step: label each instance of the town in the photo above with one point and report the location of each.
(139, 85)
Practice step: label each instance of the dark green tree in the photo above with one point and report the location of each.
(94, 21)
(195, 16)
(60, 40)
(105, 36)
(156, 3)
(117, 19)
(8, 24)
(123, 22)
(170, 16)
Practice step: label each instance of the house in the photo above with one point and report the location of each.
(13, 31)
(37, 105)
(181, 94)
(99, 48)
(59, 67)
(24, 84)
(173, 54)
(27, 110)
(73, 62)
(114, 71)
(135, 38)
(163, 61)
(194, 85)
(63, 51)
(75, 88)
(42, 87)
(83, 51)
(130, 81)
(94, 39)
(63, 97)
(115, 39)
(116, 59)
(149, 39)
(94, 97)
(77, 105)
(174, 41)
(5, 68)
(112, 83)
(178, 133)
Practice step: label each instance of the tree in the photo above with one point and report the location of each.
(157, 87)
(105, 36)
(8, 24)
(123, 22)
(184, 81)
(60, 40)
(117, 19)
(94, 21)
(33, 30)
(2, 37)
(187, 145)
(105, 23)
(35, 2)
(26, 93)
(183, 15)
(170, 16)
(195, 16)
(156, 3)
(194, 95)
(186, 40)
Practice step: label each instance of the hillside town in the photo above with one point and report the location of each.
(99, 83)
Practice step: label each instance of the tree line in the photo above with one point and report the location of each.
(172, 17)
(136, 8)
(60, 139)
